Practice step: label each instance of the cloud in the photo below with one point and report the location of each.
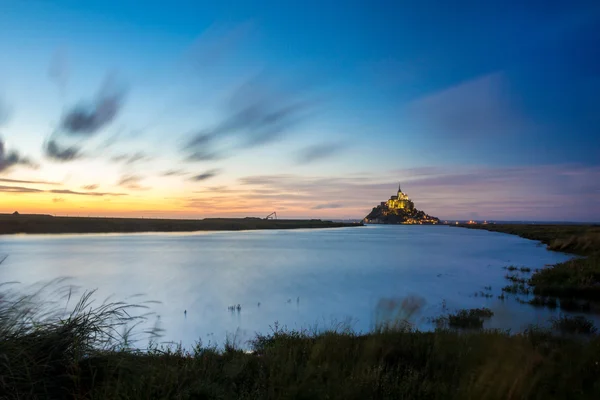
(131, 158)
(257, 113)
(217, 43)
(97, 194)
(19, 189)
(204, 176)
(200, 147)
(86, 120)
(482, 107)
(175, 172)
(5, 112)
(90, 187)
(58, 71)
(326, 206)
(31, 182)
(319, 152)
(11, 159)
(56, 152)
(58, 200)
(548, 192)
(132, 182)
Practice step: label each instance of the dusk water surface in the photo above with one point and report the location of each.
(301, 278)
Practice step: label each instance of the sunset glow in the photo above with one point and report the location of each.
(210, 110)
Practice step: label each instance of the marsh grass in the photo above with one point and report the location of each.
(465, 319)
(515, 279)
(516, 288)
(574, 305)
(576, 278)
(538, 301)
(574, 325)
(39, 340)
(47, 354)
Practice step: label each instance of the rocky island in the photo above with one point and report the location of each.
(399, 209)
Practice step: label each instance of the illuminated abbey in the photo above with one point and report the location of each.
(399, 209)
(400, 201)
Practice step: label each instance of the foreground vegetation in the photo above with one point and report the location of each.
(576, 239)
(10, 223)
(570, 281)
(87, 355)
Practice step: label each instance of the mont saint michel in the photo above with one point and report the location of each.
(399, 209)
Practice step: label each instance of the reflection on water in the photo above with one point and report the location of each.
(211, 284)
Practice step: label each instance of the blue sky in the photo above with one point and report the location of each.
(315, 109)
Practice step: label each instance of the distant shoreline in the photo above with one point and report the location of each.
(48, 224)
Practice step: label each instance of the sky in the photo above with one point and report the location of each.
(313, 109)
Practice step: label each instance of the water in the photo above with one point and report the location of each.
(301, 278)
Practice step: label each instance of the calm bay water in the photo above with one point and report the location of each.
(301, 278)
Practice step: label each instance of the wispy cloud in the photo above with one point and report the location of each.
(57, 152)
(9, 159)
(87, 119)
(216, 43)
(58, 200)
(132, 182)
(58, 70)
(96, 194)
(129, 159)
(548, 192)
(205, 175)
(175, 172)
(482, 107)
(318, 152)
(326, 206)
(19, 189)
(30, 182)
(90, 187)
(258, 112)
(5, 112)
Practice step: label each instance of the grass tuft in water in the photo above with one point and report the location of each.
(467, 319)
(575, 325)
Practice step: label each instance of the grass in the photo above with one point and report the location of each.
(465, 319)
(48, 224)
(576, 239)
(539, 301)
(575, 325)
(578, 278)
(515, 279)
(574, 305)
(87, 354)
(516, 288)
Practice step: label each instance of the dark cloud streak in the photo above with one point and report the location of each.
(131, 158)
(56, 152)
(132, 182)
(11, 159)
(30, 182)
(204, 176)
(327, 206)
(319, 152)
(175, 172)
(87, 120)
